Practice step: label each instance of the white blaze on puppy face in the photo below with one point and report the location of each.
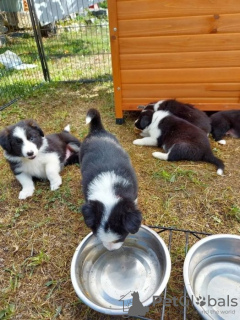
(29, 149)
(102, 189)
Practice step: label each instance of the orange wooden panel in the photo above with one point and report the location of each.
(187, 50)
(25, 5)
(217, 106)
(113, 30)
(181, 90)
(180, 60)
(206, 106)
(213, 103)
(180, 25)
(138, 9)
(200, 100)
(191, 75)
(183, 43)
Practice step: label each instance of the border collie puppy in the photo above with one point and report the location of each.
(32, 155)
(180, 139)
(225, 123)
(109, 185)
(183, 110)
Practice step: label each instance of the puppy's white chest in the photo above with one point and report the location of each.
(37, 166)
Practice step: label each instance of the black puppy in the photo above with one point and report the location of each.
(225, 123)
(109, 185)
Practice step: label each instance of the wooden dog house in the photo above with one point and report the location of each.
(182, 49)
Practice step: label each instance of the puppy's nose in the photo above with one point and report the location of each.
(30, 153)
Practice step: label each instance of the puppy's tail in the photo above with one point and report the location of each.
(217, 162)
(94, 119)
(67, 128)
(72, 142)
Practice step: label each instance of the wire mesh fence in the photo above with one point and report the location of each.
(51, 40)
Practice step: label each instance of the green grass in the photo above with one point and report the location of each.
(176, 174)
(7, 312)
(234, 211)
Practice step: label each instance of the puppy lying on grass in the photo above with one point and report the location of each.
(180, 139)
(30, 154)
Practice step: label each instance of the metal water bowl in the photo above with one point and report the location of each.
(104, 280)
(212, 276)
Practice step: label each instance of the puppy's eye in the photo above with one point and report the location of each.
(31, 139)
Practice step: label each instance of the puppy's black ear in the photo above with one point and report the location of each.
(145, 121)
(34, 125)
(92, 212)
(132, 221)
(4, 140)
(131, 216)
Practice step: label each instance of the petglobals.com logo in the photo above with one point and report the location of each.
(224, 305)
(208, 305)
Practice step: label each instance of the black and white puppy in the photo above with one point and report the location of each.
(184, 111)
(225, 123)
(180, 139)
(31, 154)
(109, 185)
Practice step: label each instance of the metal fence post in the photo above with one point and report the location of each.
(38, 39)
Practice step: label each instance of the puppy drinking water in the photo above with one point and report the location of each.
(109, 185)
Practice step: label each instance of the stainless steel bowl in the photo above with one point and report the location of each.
(104, 280)
(212, 276)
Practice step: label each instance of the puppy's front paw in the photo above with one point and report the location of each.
(138, 142)
(222, 141)
(56, 184)
(25, 193)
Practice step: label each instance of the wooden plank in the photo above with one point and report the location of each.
(177, 91)
(180, 60)
(205, 106)
(113, 30)
(144, 101)
(137, 103)
(217, 106)
(180, 25)
(138, 9)
(182, 43)
(191, 75)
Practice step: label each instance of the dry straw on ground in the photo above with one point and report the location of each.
(39, 235)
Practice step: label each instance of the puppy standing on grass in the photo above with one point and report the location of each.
(180, 139)
(30, 154)
(109, 186)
